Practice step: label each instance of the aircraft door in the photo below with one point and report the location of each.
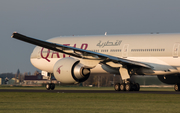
(176, 50)
(125, 51)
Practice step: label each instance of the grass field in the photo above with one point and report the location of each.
(20, 102)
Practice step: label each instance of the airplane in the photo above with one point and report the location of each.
(72, 59)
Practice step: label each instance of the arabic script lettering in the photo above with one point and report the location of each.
(108, 43)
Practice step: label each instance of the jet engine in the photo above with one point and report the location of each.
(70, 71)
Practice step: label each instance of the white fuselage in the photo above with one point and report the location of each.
(160, 51)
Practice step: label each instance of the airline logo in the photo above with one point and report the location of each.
(59, 70)
(47, 53)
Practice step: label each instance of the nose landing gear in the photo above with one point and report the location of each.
(50, 86)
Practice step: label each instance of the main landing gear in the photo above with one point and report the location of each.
(127, 87)
(126, 84)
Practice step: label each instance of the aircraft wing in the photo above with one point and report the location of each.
(77, 52)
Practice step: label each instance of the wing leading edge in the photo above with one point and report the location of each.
(77, 52)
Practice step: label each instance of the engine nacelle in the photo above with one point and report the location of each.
(169, 79)
(70, 71)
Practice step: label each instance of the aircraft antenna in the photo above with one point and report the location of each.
(105, 33)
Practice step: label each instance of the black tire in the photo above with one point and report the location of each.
(52, 86)
(177, 87)
(117, 87)
(136, 87)
(122, 87)
(48, 86)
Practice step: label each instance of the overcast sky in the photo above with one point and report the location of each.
(44, 19)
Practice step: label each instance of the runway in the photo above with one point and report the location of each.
(89, 91)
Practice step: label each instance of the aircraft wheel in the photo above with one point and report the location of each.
(117, 87)
(136, 87)
(122, 87)
(128, 87)
(177, 87)
(48, 86)
(52, 86)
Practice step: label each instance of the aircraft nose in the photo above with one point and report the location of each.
(35, 52)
